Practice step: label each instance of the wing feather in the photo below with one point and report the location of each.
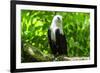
(52, 43)
(61, 42)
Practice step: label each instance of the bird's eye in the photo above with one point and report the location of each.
(58, 18)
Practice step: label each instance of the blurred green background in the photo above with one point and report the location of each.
(76, 26)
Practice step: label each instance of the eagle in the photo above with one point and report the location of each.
(56, 37)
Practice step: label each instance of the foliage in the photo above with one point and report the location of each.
(76, 26)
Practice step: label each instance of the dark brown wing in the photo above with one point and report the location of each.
(61, 43)
(52, 43)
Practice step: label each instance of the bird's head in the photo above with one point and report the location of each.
(57, 19)
(57, 23)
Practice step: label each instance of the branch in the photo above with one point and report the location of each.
(41, 57)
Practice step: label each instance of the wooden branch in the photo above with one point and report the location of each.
(76, 58)
(65, 58)
(37, 54)
(40, 56)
